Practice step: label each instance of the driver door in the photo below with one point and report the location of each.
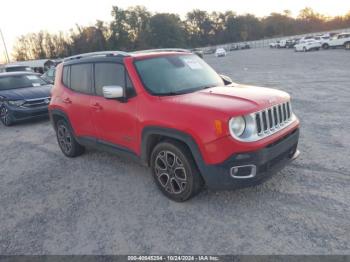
(114, 120)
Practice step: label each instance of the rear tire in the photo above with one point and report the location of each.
(5, 116)
(304, 49)
(175, 172)
(325, 46)
(66, 140)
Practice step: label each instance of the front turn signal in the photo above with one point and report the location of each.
(218, 127)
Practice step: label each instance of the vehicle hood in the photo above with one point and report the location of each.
(27, 93)
(234, 100)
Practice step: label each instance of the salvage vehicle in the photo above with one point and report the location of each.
(290, 43)
(14, 68)
(220, 52)
(340, 40)
(176, 115)
(307, 45)
(278, 44)
(23, 96)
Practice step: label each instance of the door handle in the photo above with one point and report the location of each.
(97, 107)
(67, 101)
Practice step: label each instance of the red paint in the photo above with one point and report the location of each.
(194, 113)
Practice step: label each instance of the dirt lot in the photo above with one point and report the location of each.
(103, 204)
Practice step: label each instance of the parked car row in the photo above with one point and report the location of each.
(222, 51)
(315, 42)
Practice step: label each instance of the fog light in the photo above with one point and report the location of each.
(246, 171)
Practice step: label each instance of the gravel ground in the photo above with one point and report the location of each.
(104, 204)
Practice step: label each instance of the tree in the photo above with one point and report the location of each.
(136, 28)
(119, 38)
(88, 39)
(166, 30)
(278, 25)
(199, 27)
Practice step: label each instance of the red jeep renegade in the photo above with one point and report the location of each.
(173, 112)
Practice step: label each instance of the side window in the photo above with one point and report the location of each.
(81, 78)
(66, 76)
(51, 72)
(108, 74)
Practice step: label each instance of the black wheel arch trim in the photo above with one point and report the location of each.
(187, 139)
(60, 113)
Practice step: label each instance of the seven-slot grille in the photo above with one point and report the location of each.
(273, 118)
(32, 103)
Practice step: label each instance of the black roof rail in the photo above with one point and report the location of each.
(162, 50)
(94, 54)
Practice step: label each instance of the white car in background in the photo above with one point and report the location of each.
(338, 41)
(273, 44)
(220, 52)
(322, 39)
(307, 45)
(278, 44)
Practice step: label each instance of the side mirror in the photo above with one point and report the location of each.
(227, 80)
(113, 92)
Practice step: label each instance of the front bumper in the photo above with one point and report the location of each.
(254, 167)
(22, 113)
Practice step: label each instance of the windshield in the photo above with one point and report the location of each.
(176, 74)
(20, 81)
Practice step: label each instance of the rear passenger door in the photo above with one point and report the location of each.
(79, 80)
(339, 40)
(114, 120)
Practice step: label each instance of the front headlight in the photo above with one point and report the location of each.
(16, 102)
(237, 126)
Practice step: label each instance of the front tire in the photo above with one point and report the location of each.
(347, 45)
(175, 171)
(66, 140)
(5, 116)
(325, 46)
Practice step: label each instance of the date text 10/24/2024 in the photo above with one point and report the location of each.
(173, 258)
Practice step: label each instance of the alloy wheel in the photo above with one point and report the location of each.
(64, 138)
(170, 172)
(4, 114)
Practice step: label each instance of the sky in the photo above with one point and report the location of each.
(18, 17)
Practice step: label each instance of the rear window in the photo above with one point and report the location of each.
(20, 81)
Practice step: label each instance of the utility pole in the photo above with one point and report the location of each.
(3, 40)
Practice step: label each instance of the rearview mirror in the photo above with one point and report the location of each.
(227, 79)
(112, 92)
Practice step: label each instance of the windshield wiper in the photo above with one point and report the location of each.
(186, 91)
(207, 87)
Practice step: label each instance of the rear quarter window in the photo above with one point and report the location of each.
(66, 76)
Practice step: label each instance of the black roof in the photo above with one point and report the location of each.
(18, 73)
(115, 56)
